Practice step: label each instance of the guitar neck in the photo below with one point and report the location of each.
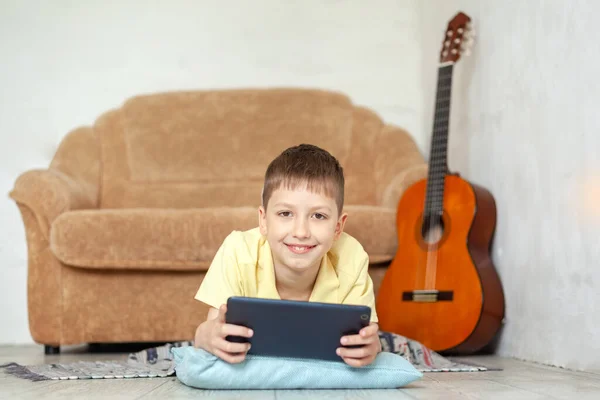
(438, 165)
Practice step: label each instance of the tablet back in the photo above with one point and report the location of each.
(301, 329)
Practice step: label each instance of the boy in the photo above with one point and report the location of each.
(298, 252)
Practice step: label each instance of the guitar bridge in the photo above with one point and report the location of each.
(428, 296)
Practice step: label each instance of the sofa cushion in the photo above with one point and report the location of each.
(187, 139)
(375, 228)
(165, 239)
(184, 239)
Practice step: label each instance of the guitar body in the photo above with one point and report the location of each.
(441, 288)
(470, 306)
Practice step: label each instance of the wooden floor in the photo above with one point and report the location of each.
(517, 380)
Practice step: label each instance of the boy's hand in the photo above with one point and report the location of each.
(210, 336)
(368, 338)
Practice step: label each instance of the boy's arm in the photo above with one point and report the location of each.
(222, 280)
(213, 313)
(361, 291)
(211, 336)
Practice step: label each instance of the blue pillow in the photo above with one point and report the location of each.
(200, 369)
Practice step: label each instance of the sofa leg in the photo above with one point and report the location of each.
(51, 349)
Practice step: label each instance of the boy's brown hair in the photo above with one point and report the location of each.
(308, 165)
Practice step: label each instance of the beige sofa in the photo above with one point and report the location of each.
(124, 222)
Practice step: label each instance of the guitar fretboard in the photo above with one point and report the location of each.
(438, 165)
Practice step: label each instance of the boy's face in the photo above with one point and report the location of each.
(300, 226)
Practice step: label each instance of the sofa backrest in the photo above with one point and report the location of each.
(211, 148)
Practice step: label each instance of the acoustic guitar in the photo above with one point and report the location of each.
(442, 288)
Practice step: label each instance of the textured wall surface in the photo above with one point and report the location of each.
(525, 124)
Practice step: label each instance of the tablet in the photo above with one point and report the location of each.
(300, 329)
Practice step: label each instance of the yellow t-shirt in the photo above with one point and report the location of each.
(243, 266)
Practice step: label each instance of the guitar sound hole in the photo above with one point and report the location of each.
(432, 229)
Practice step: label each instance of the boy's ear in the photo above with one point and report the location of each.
(339, 227)
(262, 220)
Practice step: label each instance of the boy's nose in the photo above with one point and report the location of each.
(301, 229)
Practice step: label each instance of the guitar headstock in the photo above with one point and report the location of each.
(458, 38)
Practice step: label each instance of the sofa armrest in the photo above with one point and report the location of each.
(402, 181)
(398, 164)
(70, 183)
(49, 193)
(41, 196)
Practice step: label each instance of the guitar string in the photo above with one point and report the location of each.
(437, 168)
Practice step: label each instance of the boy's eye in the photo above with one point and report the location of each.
(320, 216)
(284, 213)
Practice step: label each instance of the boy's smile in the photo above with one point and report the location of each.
(300, 226)
(299, 249)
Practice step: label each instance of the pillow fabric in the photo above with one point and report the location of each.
(201, 369)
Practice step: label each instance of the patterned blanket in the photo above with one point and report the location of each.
(157, 362)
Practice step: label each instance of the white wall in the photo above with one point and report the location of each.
(525, 124)
(66, 62)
